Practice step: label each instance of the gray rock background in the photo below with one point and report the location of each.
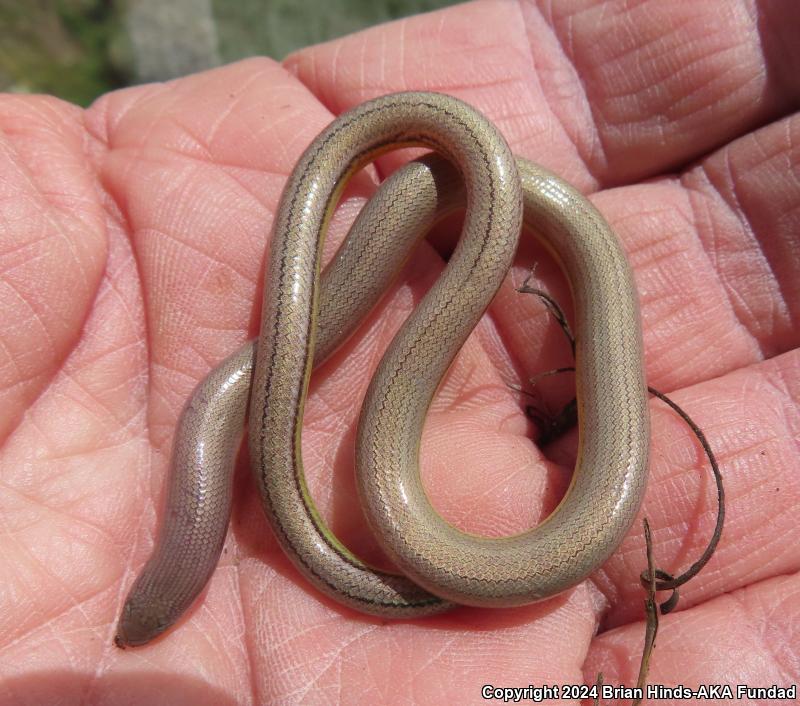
(170, 39)
(78, 49)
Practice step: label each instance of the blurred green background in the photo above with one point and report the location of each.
(79, 49)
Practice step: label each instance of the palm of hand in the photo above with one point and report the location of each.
(132, 245)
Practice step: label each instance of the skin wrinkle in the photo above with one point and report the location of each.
(20, 378)
(787, 396)
(144, 137)
(706, 111)
(650, 51)
(43, 569)
(35, 316)
(209, 258)
(209, 162)
(781, 657)
(735, 207)
(592, 157)
(68, 395)
(56, 230)
(637, 46)
(760, 239)
(50, 509)
(212, 258)
(233, 105)
(401, 46)
(793, 428)
(737, 304)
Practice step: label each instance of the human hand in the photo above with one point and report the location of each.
(132, 248)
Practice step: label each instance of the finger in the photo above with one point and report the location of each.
(600, 92)
(750, 418)
(745, 200)
(699, 646)
(52, 245)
